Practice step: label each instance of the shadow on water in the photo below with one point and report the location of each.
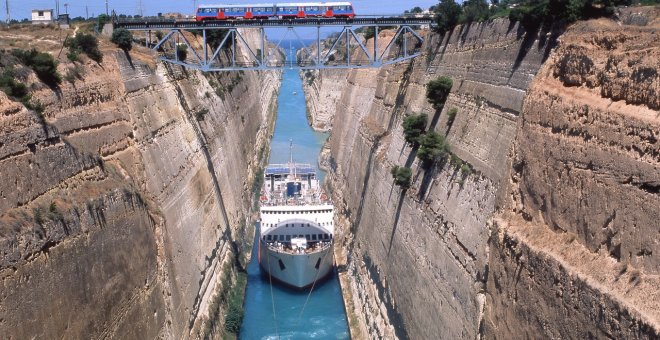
(274, 311)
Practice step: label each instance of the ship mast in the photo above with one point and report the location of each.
(292, 166)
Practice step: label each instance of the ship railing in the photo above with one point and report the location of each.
(286, 247)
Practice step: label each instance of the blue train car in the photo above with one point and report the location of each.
(281, 10)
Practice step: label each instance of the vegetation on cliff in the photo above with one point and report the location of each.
(122, 38)
(414, 127)
(85, 43)
(530, 13)
(401, 176)
(432, 146)
(437, 91)
(43, 64)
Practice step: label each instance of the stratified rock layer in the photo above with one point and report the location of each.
(121, 204)
(577, 248)
(553, 233)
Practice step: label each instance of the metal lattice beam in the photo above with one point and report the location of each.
(225, 57)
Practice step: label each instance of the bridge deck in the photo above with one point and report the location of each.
(153, 23)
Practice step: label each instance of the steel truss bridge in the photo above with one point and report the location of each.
(212, 46)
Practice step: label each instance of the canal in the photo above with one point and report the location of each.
(276, 312)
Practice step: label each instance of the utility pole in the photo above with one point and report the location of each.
(106, 8)
(140, 7)
(7, 5)
(66, 8)
(86, 12)
(57, 8)
(195, 6)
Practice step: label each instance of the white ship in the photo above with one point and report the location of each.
(295, 246)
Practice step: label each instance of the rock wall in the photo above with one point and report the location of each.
(322, 90)
(417, 259)
(452, 256)
(122, 202)
(576, 252)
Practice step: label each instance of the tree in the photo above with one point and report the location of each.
(475, 10)
(122, 38)
(402, 176)
(413, 128)
(432, 147)
(447, 14)
(415, 10)
(437, 91)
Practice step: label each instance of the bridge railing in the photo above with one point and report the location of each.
(404, 45)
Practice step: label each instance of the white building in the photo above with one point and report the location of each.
(42, 16)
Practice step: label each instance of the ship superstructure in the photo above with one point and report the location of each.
(297, 228)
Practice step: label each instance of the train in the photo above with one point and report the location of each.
(279, 10)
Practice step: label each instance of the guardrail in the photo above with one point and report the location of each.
(161, 23)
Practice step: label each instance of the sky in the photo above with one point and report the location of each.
(20, 9)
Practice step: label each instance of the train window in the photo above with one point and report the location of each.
(269, 237)
(313, 237)
(311, 8)
(259, 9)
(307, 237)
(326, 236)
(288, 237)
(281, 237)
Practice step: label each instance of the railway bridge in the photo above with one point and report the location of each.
(215, 49)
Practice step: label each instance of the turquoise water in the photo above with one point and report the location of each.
(323, 316)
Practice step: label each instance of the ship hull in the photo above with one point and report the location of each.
(298, 271)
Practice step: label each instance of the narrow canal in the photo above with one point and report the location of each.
(276, 312)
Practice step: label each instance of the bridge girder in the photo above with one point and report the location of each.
(406, 44)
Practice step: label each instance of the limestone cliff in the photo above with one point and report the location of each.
(122, 202)
(443, 258)
(575, 250)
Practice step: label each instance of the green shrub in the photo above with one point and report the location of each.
(199, 115)
(402, 176)
(88, 44)
(438, 90)
(455, 160)
(11, 87)
(451, 115)
(43, 64)
(413, 128)
(432, 147)
(122, 38)
(466, 169)
(101, 20)
(73, 55)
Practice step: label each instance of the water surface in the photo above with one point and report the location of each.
(273, 311)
